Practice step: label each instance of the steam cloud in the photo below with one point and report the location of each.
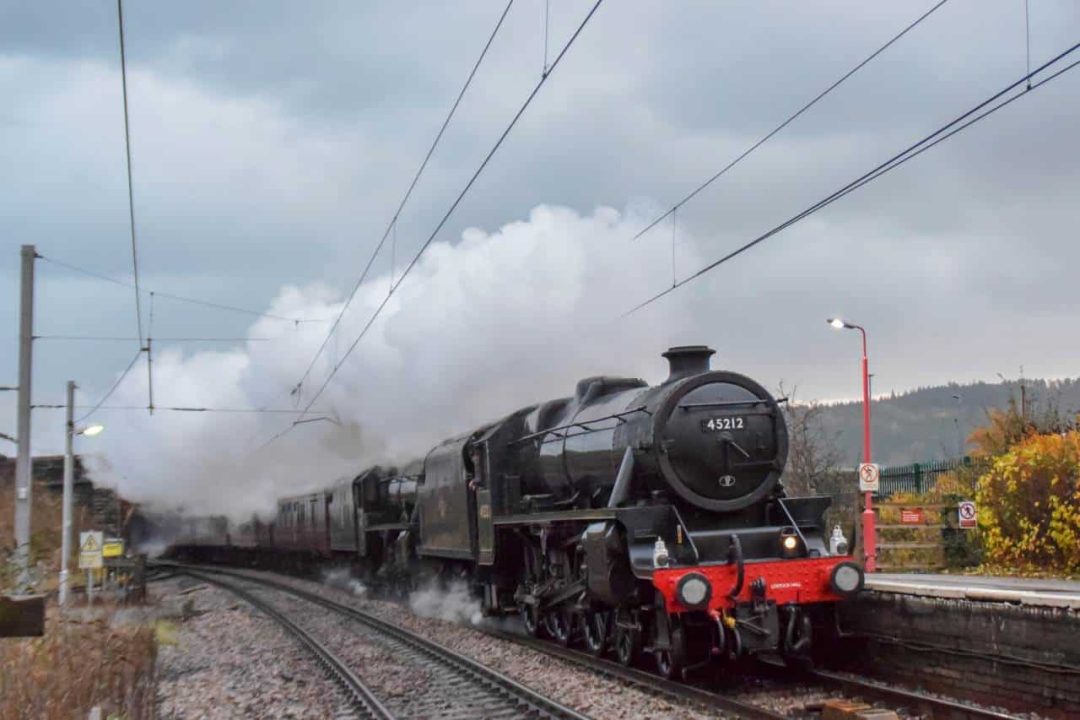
(480, 328)
(452, 603)
(342, 579)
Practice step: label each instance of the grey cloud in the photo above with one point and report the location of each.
(272, 141)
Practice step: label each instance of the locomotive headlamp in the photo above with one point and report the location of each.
(846, 579)
(694, 590)
(789, 543)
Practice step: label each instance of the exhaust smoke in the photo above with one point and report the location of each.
(480, 328)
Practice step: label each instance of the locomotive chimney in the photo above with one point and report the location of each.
(687, 360)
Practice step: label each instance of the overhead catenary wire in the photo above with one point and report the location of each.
(457, 201)
(177, 408)
(393, 257)
(976, 114)
(106, 396)
(150, 357)
(116, 338)
(179, 298)
(127, 157)
(1027, 39)
(674, 227)
(280, 433)
(150, 375)
(392, 225)
(791, 118)
(547, 26)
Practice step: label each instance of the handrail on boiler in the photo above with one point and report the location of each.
(614, 416)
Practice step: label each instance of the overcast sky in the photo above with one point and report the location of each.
(271, 142)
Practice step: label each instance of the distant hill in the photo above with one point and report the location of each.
(922, 424)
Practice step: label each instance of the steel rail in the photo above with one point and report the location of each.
(481, 674)
(643, 679)
(931, 705)
(362, 697)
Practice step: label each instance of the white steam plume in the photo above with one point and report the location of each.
(480, 328)
(452, 603)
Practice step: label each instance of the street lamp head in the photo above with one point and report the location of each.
(91, 430)
(837, 323)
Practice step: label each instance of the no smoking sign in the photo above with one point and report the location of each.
(869, 477)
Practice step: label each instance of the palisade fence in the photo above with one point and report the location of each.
(923, 477)
(917, 521)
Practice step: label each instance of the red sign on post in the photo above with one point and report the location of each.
(912, 516)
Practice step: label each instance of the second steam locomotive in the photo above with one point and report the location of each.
(630, 518)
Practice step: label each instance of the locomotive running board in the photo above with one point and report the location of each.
(586, 515)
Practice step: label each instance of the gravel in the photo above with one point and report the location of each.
(404, 679)
(452, 619)
(221, 658)
(587, 692)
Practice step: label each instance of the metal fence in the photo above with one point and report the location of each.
(934, 542)
(922, 477)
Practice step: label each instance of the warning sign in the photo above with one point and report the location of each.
(869, 477)
(966, 514)
(912, 516)
(90, 545)
(113, 548)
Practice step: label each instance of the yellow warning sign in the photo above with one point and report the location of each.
(113, 548)
(90, 544)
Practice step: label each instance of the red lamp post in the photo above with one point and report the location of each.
(868, 526)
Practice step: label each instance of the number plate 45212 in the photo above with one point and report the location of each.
(720, 424)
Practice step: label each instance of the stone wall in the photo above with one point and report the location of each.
(1018, 657)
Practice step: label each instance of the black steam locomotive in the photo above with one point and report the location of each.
(626, 517)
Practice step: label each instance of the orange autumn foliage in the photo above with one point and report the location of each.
(1029, 505)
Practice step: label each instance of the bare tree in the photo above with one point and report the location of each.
(813, 455)
(813, 465)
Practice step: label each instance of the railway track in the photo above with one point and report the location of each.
(922, 703)
(916, 703)
(364, 701)
(458, 686)
(646, 680)
(736, 703)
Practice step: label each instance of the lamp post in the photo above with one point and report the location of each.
(868, 526)
(69, 482)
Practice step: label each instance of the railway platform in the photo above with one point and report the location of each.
(1005, 641)
(1035, 592)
